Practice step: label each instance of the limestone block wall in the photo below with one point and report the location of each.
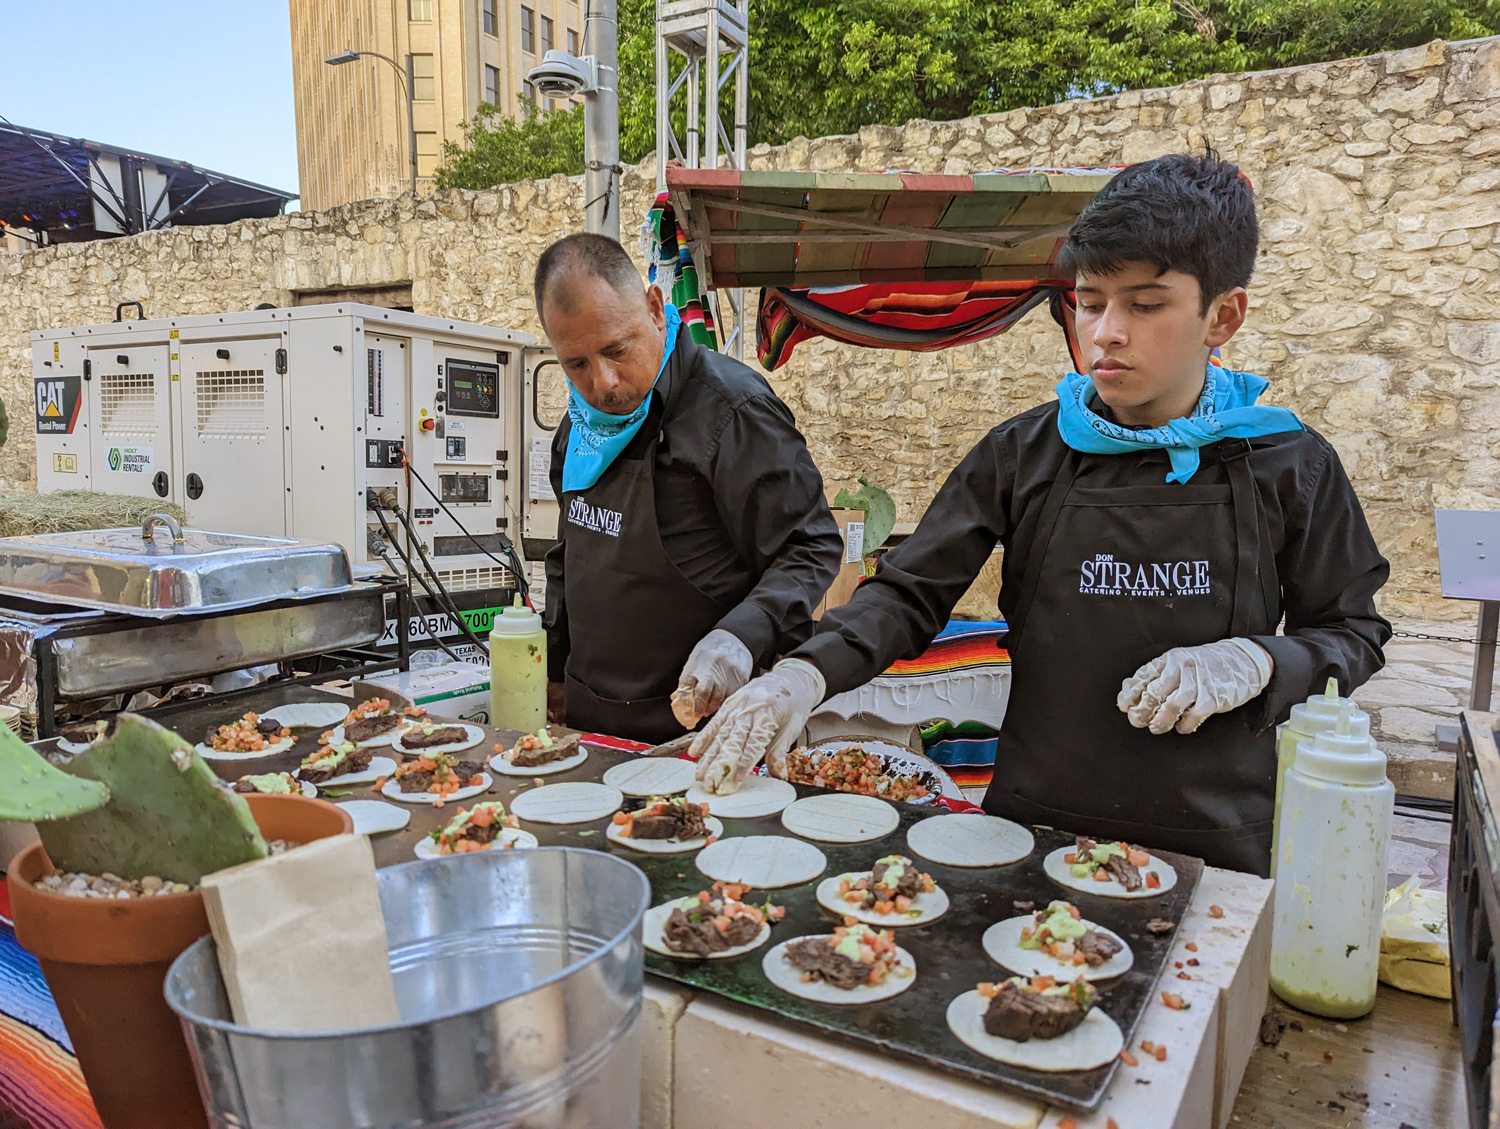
(1375, 310)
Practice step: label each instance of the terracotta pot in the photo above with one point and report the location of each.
(105, 962)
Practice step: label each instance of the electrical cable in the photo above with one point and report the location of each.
(445, 600)
(516, 565)
(411, 570)
(437, 597)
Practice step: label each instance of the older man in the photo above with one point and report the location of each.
(694, 540)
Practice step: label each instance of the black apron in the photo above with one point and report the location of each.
(1117, 576)
(633, 618)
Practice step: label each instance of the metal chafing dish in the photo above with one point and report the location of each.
(162, 570)
(95, 613)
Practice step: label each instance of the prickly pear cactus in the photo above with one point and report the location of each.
(32, 790)
(879, 507)
(168, 814)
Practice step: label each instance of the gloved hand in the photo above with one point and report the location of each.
(762, 717)
(1184, 687)
(718, 666)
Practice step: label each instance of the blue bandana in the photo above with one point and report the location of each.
(1226, 410)
(597, 438)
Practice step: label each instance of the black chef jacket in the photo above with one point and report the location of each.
(1078, 764)
(739, 503)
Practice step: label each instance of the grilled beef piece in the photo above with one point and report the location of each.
(1083, 844)
(1021, 1015)
(1097, 947)
(356, 761)
(367, 727)
(244, 787)
(561, 749)
(443, 735)
(412, 782)
(816, 955)
(679, 821)
(908, 885)
(1127, 875)
(701, 938)
(268, 726)
(476, 834)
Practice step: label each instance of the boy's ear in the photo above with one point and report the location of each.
(1226, 314)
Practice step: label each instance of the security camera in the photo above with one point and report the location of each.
(561, 75)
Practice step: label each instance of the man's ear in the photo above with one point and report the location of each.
(656, 306)
(1226, 314)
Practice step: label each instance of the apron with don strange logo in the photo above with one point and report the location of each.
(1121, 574)
(633, 616)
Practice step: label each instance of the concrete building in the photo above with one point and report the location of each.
(352, 141)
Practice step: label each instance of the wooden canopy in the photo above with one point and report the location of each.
(800, 229)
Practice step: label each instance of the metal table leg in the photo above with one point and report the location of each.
(1484, 655)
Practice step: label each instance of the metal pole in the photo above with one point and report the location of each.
(1484, 655)
(711, 94)
(601, 123)
(663, 109)
(411, 131)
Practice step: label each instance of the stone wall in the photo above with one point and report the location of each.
(1375, 310)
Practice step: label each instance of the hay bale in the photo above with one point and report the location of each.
(67, 511)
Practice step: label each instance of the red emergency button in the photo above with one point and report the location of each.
(429, 425)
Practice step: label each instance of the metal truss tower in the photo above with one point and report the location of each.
(712, 36)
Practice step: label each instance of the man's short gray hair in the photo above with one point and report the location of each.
(596, 256)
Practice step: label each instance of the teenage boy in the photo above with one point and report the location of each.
(1157, 526)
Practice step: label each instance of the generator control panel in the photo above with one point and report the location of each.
(473, 388)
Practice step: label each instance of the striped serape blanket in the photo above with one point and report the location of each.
(965, 749)
(41, 1086)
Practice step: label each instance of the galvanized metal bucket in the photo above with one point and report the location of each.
(519, 979)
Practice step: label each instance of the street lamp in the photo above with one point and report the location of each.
(562, 75)
(411, 126)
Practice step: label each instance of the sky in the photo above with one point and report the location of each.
(208, 82)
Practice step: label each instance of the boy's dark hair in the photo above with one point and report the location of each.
(596, 256)
(1179, 212)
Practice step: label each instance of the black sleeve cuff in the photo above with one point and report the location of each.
(753, 627)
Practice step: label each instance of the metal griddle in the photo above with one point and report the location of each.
(949, 956)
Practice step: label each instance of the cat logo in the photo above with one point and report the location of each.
(57, 402)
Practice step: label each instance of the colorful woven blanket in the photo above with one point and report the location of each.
(41, 1086)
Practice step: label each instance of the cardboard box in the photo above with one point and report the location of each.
(852, 571)
(456, 691)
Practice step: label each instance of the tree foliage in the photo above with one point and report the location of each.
(498, 149)
(822, 67)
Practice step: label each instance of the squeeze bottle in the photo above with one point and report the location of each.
(1330, 893)
(1319, 712)
(518, 670)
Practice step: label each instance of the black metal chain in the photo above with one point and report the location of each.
(1434, 638)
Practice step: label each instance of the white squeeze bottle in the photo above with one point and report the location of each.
(1330, 890)
(1320, 712)
(518, 670)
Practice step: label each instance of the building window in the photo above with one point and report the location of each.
(492, 85)
(528, 30)
(419, 11)
(423, 89)
(427, 153)
(491, 19)
(572, 42)
(546, 35)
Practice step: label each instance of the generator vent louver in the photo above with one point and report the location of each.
(231, 404)
(127, 404)
(474, 579)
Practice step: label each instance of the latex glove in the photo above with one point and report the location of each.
(718, 666)
(1184, 687)
(762, 718)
